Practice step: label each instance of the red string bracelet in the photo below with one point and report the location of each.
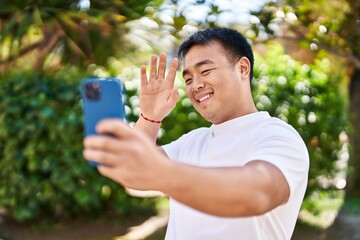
(150, 120)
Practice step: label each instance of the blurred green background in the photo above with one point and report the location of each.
(307, 72)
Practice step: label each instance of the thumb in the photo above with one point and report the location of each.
(114, 127)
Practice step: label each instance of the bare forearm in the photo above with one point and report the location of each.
(149, 128)
(228, 192)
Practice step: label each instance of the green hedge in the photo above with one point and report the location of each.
(311, 99)
(43, 173)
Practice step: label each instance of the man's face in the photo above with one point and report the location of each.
(213, 84)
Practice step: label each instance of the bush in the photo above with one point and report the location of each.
(43, 173)
(309, 98)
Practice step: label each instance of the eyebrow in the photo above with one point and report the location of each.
(197, 65)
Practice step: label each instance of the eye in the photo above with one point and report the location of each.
(207, 71)
(188, 81)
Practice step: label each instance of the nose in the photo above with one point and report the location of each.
(197, 84)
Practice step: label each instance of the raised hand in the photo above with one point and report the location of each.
(158, 96)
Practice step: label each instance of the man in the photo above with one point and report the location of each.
(242, 178)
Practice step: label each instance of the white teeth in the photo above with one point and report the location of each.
(204, 98)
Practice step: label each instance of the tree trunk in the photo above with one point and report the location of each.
(353, 176)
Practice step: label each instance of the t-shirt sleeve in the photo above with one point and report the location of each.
(284, 148)
(173, 148)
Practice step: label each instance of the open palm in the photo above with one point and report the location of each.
(158, 96)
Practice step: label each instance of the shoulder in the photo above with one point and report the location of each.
(186, 141)
(273, 126)
(193, 135)
(275, 134)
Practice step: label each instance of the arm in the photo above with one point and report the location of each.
(132, 160)
(251, 190)
(157, 95)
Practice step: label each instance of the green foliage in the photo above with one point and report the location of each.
(329, 25)
(307, 97)
(324, 28)
(68, 31)
(43, 173)
(352, 206)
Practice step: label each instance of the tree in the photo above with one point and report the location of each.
(69, 31)
(323, 27)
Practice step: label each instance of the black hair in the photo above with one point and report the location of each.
(234, 44)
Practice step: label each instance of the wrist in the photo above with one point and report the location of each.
(150, 120)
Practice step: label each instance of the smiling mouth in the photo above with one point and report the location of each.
(207, 96)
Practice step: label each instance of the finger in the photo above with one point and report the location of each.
(101, 157)
(162, 66)
(172, 71)
(103, 143)
(143, 76)
(153, 67)
(115, 127)
(109, 172)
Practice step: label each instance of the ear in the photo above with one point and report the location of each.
(245, 67)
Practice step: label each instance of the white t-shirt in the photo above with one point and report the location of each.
(255, 136)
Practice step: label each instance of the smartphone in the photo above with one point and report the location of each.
(102, 98)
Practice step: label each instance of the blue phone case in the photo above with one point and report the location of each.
(102, 98)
